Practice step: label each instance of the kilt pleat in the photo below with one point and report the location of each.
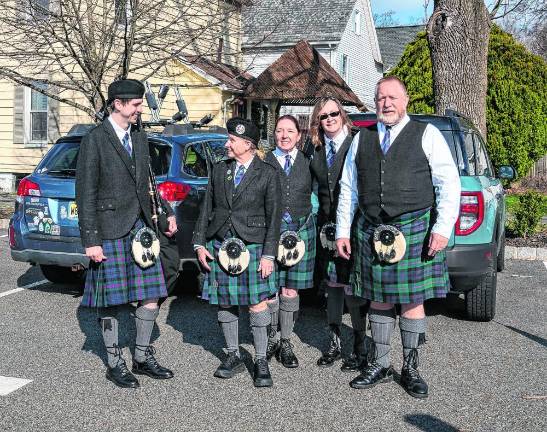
(332, 268)
(300, 276)
(247, 288)
(119, 280)
(414, 279)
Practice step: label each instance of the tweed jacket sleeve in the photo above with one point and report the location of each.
(87, 183)
(199, 237)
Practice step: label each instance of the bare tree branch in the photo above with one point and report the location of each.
(80, 46)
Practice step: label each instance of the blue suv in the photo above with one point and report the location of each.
(44, 227)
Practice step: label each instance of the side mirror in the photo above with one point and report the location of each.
(506, 172)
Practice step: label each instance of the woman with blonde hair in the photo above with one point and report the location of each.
(331, 134)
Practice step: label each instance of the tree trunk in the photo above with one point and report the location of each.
(458, 33)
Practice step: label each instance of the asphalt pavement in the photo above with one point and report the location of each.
(482, 376)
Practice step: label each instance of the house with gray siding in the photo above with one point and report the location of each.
(342, 31)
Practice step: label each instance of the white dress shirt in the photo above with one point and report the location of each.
(246, 165)
(280, 156)
(444, 175)
(338, 140)
(120, 132)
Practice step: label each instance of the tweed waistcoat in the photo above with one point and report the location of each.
(397, 182)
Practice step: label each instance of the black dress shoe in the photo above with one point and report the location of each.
(262, 376)
(121, 376)
(411, 380)
(285, 354)
(273, 345)
(330, 356)
(354, 363)
(231, 366)
(372, 375)
(151, 367)
(413, 383)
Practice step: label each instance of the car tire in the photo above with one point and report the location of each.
(62, 275)
(500, 261)
(480, 302)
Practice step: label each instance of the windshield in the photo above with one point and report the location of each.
(60, 160)
(218, 151)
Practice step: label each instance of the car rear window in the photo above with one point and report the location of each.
(60, 160)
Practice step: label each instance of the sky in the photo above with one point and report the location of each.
(406, 11)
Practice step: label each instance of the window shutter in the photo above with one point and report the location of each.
(19, 115)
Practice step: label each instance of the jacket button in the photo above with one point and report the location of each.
(382, 171)
(287, 186)
(382, 183)
(381, 205)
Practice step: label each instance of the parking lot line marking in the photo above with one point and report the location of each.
(2, 236)
(35, 284)
(10, 384)
(545, 264)
(13, 291)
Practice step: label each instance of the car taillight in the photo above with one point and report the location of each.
(471, 213)
(173, 191)
(28, 188)
(11, 233)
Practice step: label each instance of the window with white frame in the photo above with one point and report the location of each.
(357, 21)
(36, 117)
(344, 67)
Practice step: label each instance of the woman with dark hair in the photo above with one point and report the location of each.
(332, 134)
(292, 167)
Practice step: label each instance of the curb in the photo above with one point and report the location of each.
(511, 252)
(526, 253)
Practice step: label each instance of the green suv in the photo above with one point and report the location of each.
(476, 250)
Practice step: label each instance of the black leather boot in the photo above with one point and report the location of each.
(333, 353)
(231, 366)
(411, 380)
(261, 375)
(120, 374)
(372, 375)
(285, 354)
(151, 367)
(358, 358)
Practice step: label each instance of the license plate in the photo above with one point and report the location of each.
(73, 211)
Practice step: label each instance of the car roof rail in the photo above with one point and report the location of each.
(80, 129)
(453, 113)
(187, 129)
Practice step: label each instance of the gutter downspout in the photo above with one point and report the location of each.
(224, 107)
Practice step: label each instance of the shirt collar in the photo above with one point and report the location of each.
(246, 164)
(338, 139)
(281, 154)
(395, 129)
(120, 132)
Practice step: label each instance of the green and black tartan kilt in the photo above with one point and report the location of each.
(300, 275)
(414, 279)
(247, 288)
(331, 268)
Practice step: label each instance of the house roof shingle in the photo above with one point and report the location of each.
(393, 41)
(274, 22)
(230, 76)
(301, 75)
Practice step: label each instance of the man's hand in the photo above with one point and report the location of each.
(95, 253)
(203, 256)
(172, 226)
(266, 267)
(436, 244)
(343, 247)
